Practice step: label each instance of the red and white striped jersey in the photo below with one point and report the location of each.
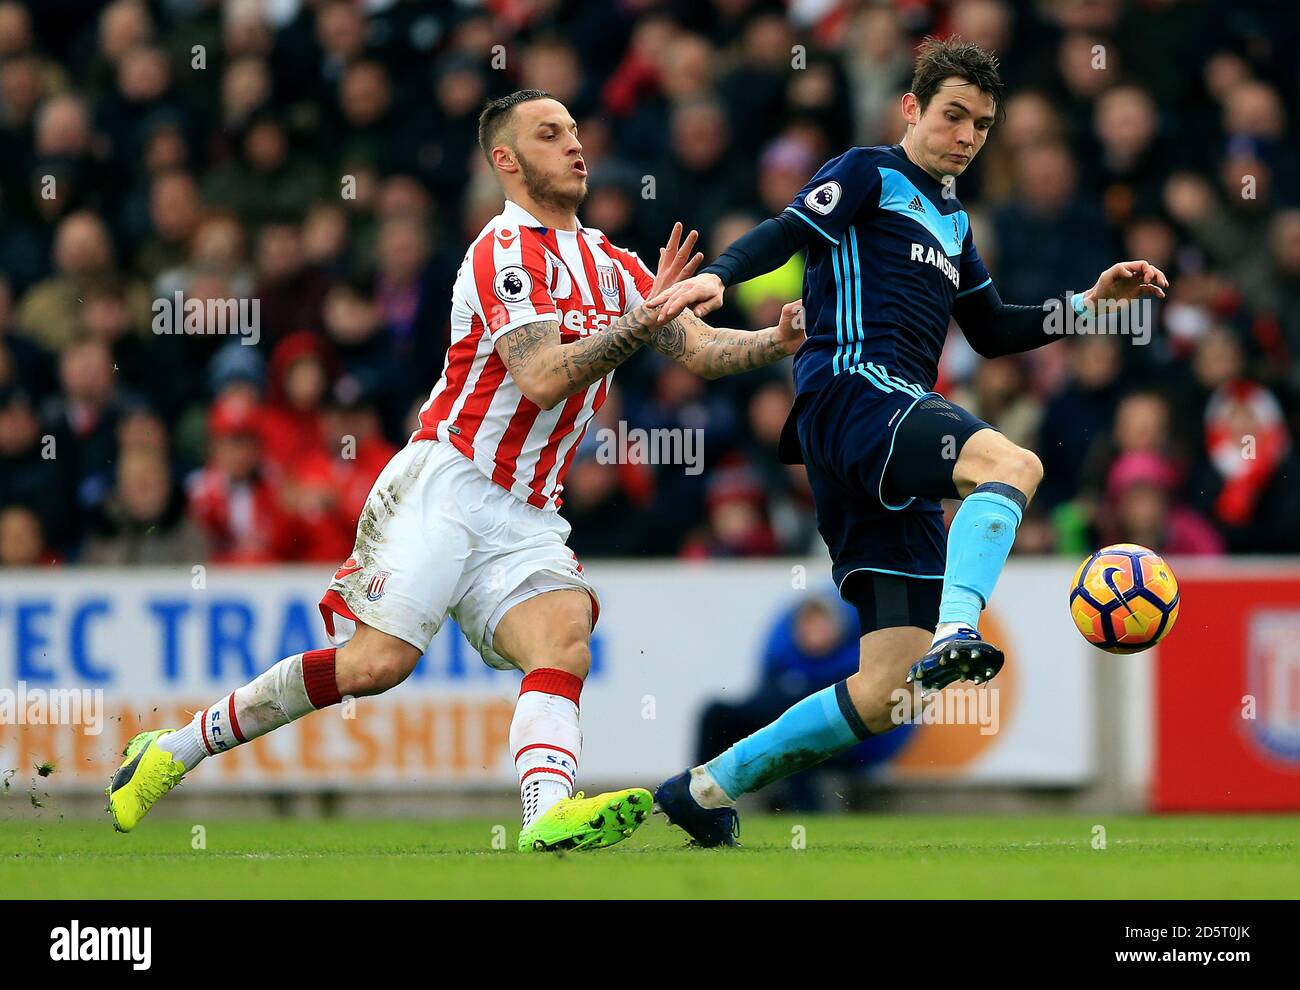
(519, 271)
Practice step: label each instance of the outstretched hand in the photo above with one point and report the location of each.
(675, 263)
(1129, 280)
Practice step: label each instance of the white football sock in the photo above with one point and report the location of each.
(708, 793)
(947, 629)
(545, 739)
(295, 686)
(541, 793)
(185, 744)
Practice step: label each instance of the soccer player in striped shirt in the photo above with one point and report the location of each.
(891, 260)
(463, 521)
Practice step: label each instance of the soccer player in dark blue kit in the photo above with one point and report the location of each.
(890, 259)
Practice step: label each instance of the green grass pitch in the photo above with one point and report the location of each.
(869, 856)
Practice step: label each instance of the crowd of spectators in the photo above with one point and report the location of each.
(318, 158)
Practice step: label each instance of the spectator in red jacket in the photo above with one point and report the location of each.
(1246, 479)
(310, 493)
(293, 421)
(325, 489)
(232, 499)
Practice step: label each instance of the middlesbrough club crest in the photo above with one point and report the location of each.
(375, 589)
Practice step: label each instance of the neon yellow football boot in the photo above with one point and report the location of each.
(588, 823)
(148, 773)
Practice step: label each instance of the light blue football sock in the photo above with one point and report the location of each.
(810, 731)
(979, 540)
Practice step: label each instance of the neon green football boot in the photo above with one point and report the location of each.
(148, 773)
(588, 823)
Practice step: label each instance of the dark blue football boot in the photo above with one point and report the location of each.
(707, 827)
(963, 656)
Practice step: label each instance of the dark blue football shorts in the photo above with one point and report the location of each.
(879, 460)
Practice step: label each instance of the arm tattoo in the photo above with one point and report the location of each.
(533, 352)
(592, 358)
(523, 343)
(712, 352)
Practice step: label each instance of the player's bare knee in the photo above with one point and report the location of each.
(880, 714)
(875, 695)
(1021, 469)
(571, 653)
(374, 668)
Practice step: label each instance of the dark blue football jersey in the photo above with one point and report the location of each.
(891, 255)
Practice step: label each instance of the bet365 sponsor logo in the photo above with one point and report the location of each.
(102, 944)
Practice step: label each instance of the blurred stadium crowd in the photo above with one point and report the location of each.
(320, 157)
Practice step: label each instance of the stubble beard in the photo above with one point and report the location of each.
(540, 191)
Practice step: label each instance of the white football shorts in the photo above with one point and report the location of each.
(436, 538)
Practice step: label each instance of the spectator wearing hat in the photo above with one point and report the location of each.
(231, 499)
(236, 369)
(1229, 218)
(1140, 508)
(298, 382)
(737, 523)
(1141, 425)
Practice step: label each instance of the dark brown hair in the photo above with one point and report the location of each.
(939, 60)
(497, 113)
